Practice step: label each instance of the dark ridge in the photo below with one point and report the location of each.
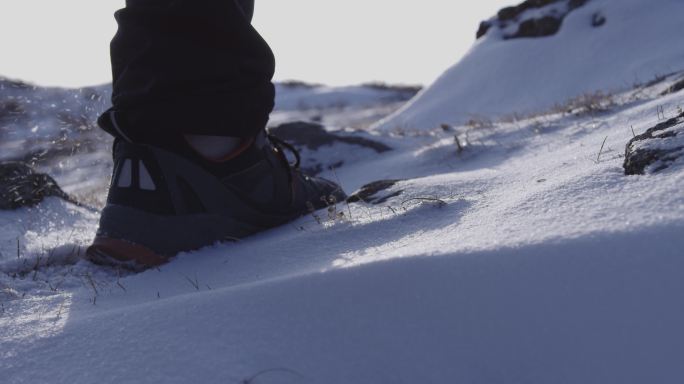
(412, 89)
(15, 84)
(314, 136)
(512, 13)
(298, 84)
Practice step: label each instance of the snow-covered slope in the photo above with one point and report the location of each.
(527, 257)
(503, 252)
(639, 41)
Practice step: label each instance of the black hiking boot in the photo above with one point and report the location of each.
(161, 203)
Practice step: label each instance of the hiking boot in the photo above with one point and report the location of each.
(161, 203)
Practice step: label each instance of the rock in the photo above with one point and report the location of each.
(574, 4)
(545, 26)
(511, 13)
(508, 13)
(21, 186)
(657, 149)
(482, 30)
(598, 20)
(314, 136)
(368, 193)
(540, 26)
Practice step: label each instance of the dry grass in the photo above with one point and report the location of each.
(480, 122)
(590, 103)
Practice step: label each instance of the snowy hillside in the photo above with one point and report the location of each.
(543, 248)
(602, 45)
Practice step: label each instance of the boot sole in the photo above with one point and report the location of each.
(137, 240)
(121, 253)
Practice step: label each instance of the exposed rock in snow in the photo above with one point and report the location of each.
(598, 19)
(657, 149)
(544, 26)
(369, 192)
(545, 20)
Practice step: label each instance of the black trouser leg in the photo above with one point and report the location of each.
(247, 8)
(188, 67)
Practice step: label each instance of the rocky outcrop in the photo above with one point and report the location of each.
(512, 13)
(543, 26)
(21, 186)
(483, 29)
(657, 149)
(540, 26)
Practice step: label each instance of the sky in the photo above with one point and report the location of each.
(335, 42)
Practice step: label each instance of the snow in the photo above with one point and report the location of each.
(560, 313)
(525, 257)
(497, 77)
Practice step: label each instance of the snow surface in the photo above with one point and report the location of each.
(639, 42)
(541, 265)
(527, 256)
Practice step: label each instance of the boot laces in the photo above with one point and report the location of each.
(281, 144)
